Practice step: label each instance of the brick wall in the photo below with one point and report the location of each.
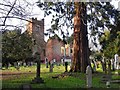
(53, 49)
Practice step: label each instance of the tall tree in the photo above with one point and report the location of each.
(80, 44)
(97, 17)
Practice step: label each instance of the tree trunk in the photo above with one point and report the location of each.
(80, 43)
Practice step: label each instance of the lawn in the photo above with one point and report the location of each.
(75, 80)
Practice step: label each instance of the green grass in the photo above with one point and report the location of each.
(78, 80)
(33, 69)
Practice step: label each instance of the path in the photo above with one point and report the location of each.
(7, 75)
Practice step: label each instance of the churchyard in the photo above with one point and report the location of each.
(14, 78)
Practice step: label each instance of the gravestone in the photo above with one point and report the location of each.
(62, 61)
(19, 64)
(66, 66)
(24, 64)
(54, 61)
(116, 58)
(89, 77)
(31, 63)
(108, 84)
(112, 64)
(46, 62)
(9, 65)
(51, 66)
(0, 65)
(15, 64)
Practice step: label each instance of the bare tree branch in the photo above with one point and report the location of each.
(14, 17)
(9, 11)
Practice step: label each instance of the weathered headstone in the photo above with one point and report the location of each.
(116, 58)
(108, 84)
(66, 66)
(112, 64)
(118, 63)
(89, 77)
(31, 63)
(19, 63)
(54, 61)
(24, 64)
(9, 65)
(0, 65)
(46, 62)
(15, 64)
(51, 66)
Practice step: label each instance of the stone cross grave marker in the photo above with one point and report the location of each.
(89, 77)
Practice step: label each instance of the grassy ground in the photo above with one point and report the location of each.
(26, 74)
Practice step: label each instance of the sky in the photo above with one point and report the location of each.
(35, 10)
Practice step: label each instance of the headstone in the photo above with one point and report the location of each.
(116, 58)
(118, 63)
(31, 63)
(58, 64)
(112, 64)
(15, 64)
(108, 84)
(0, 65)
(89, 77)
(46, 62)
(9, 65)
(66, 66)
(18, 63)
(54, 61)
(51, 66)
(24, 64)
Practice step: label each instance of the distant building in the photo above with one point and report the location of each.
(36, 29)
(53, 48)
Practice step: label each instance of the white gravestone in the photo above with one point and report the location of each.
(116, 57)
(89, 77)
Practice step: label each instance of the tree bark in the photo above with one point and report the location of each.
(80, 43)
